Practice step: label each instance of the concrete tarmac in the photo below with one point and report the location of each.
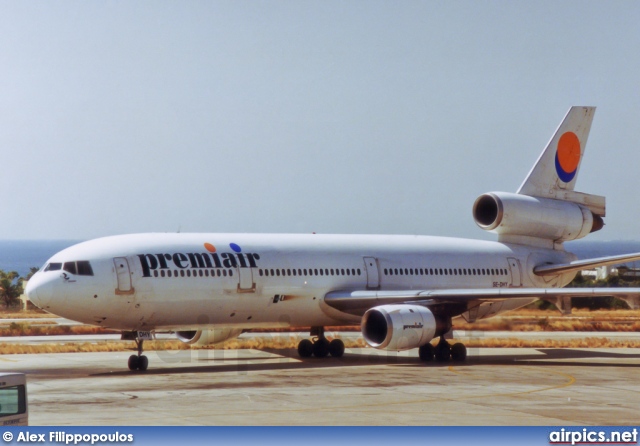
(366, 387)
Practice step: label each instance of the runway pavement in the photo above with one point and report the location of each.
(365, 387)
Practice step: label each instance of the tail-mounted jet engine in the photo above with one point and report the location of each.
(521, 215)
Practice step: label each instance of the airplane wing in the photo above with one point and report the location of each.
(357, 302)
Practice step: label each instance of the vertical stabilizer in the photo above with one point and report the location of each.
(557, 168)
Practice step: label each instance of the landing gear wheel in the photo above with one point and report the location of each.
(134, 362)
(336, 348)
(458, 352)
(305, 348)
(143, 363)
(443, 351)
(321, 348)
(426, 353)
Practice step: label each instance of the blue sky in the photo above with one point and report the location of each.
(302, 116)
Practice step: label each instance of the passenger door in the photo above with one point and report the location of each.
(373, 276)
(516, 272)
(245, 280)
(123, 274)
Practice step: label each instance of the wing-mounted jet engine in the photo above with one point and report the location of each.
(208, 336)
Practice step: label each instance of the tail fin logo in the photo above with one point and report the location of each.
(567, 156)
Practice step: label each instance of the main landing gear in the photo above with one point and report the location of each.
(443, 351)
(320, 347)
(139, 361)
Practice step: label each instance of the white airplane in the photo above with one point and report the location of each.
(403, 290)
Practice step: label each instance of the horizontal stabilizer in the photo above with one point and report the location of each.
(579, 265)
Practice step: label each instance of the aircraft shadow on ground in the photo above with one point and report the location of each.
(259, 362)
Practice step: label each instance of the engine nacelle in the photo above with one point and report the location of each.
(546, 218)
(398, 327)
(208, 336)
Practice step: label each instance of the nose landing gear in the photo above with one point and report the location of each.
(139, 361)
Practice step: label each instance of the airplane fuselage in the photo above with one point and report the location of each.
(189, 281)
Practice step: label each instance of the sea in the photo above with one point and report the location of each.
(22, 255)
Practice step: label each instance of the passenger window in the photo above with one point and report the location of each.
(70, 267)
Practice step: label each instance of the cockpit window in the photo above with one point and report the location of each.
(70, 267)
(53, 267)
(84, 268)
(80, 268)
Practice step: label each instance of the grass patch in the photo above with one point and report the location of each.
(28, 329)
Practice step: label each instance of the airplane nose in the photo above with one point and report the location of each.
(37, 290)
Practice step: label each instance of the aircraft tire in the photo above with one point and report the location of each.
(143, 363)
(336, 348)
(321, 348)
(443, 352)
(426, 353)
(305, 348)
(458, 352)
(134, 362)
